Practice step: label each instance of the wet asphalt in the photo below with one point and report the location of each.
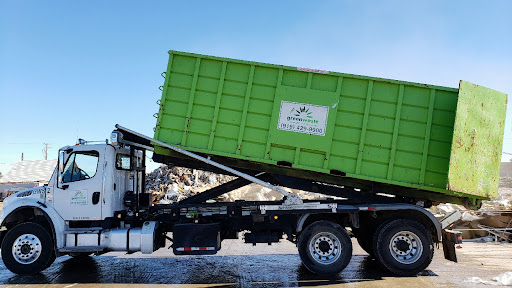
(242, 265)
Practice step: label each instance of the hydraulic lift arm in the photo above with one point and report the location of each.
(291, 199)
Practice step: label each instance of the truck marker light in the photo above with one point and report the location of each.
(275, 217)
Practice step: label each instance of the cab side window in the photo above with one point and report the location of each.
(80, 166)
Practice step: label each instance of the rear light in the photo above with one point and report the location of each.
(371, 208)
(183, 249)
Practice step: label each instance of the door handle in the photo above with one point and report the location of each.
(95, 198)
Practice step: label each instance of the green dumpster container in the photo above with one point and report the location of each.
(340, 128)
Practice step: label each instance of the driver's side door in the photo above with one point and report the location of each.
(78, 195)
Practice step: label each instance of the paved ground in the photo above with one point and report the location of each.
(242, 265)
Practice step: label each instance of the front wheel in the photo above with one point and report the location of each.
(27, 248)
(325, 248)
(403, 246)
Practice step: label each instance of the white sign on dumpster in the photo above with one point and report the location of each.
(303, 118)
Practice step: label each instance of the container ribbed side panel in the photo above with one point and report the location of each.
(365, 127)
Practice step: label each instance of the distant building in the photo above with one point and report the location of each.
(506, 169)
(26, 174)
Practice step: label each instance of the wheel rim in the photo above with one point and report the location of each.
(325, 248)
(26, 249)
(406, 247)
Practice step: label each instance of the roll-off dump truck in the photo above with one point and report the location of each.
(380, 150)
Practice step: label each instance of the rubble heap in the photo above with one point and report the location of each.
(169, 184)
(504, 199)
(493, 220)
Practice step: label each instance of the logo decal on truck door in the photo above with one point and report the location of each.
(303, 118)
(78, 197)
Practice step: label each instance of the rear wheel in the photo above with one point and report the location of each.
(27, 248)
(404, 247)
(325, 248)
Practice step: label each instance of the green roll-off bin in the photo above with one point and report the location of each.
(336, 128)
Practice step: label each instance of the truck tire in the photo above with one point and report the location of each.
(27, 248)
(325, 248)
(52, 259)
(404, 247)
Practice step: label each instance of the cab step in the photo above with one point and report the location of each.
(91, 249)
(95, 230)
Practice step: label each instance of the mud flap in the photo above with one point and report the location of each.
(450, 239)
(196, 239)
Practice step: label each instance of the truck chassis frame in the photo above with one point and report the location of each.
(321, 229)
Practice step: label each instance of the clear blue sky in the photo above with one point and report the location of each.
(72, 69)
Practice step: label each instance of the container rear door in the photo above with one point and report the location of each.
(477, 140)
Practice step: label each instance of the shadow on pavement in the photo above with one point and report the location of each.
(223, 271)
(362, 268)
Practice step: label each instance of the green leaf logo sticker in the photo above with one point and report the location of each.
(303, 111)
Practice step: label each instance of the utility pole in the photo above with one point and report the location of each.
(47, 146)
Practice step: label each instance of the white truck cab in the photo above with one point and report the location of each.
(75, 213)
(91, 181)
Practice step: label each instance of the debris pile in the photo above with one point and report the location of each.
(504, 199)
(169, 184)
(504, 279)
(255, 192)
(492, 222)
